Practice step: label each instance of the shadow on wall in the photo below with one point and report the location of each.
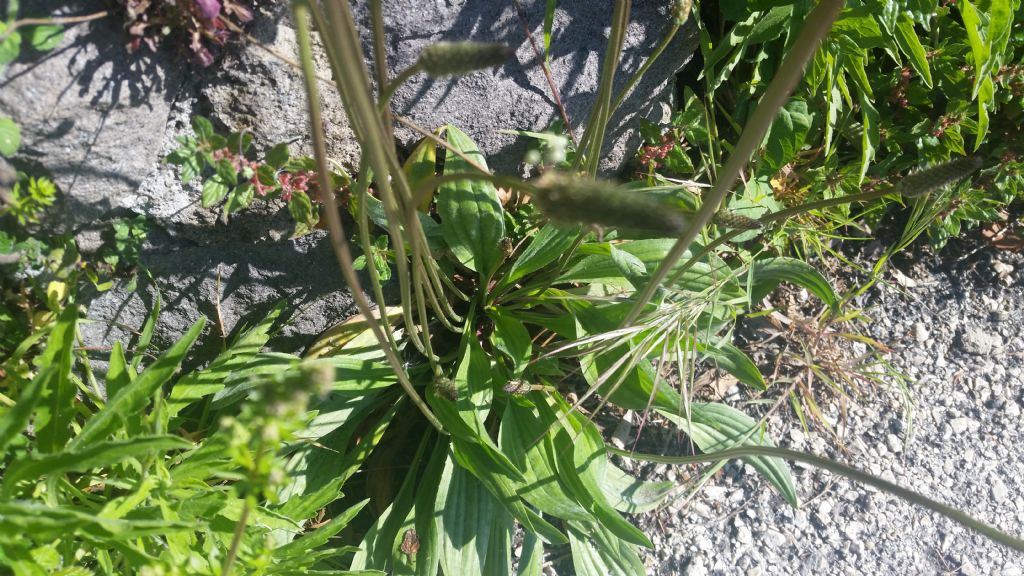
(517, 96)
(89, 111)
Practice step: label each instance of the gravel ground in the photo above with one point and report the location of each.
(955, 328)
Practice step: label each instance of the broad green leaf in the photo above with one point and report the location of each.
(277, 156)
(526, 437)
(210, 380)
(214, 190)
(716, 427)
(589, 461)
(240, 197)
(464, 509)
(632, 495)
(470, 456)
(768, 273)
(10, 137)
(379, 548)
(131, 401)
(735, 362)
(512, 339)
(428, 558)
(14, 420)
(472, 219)
(597, 552)
(910, 45)
(57, 409)
(980, 50)
(630, 267)
(860, 27)
(787, 135)
(549, 244)
(203, 128)
(465, 426)
(96, 455)
(771, 25)
(10, 48)
(601, 268)
(531, 560)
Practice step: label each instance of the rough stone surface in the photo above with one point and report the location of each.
(100, 120)
(516, 96)
(91, 115)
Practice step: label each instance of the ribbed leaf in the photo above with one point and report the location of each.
(547, 245)
(472, 218)
(631, 495)
(768, 273)
(716, 427)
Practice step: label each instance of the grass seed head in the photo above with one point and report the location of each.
(458, 58)
(577, 200)
(730, 219)
(938, 176)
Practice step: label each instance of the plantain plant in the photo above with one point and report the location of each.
(444, 429)
(501, 312)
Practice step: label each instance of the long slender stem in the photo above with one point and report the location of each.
(635, 78)
(593, 137)
(380, 59)
(547, 71)
(57, 21)
(302, 9)
(843, 470)
(816, 27)
(775, 217)
(388, 90)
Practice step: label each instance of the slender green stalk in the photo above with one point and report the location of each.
(593, 136)
(635, 78)
(363, 222)
(816, 27)
(842, 470)
(380, 59)
(389, 89)
(775, 217)
(302, 10)
(243, 518)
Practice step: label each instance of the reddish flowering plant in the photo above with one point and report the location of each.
(232, 176)
(201, 24)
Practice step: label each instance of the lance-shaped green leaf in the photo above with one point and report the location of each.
(715, 427)
(472, 218)
(57, 408)
(768, 273)
(131, 400)
(97, 455)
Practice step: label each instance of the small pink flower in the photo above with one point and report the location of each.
(207, 9)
